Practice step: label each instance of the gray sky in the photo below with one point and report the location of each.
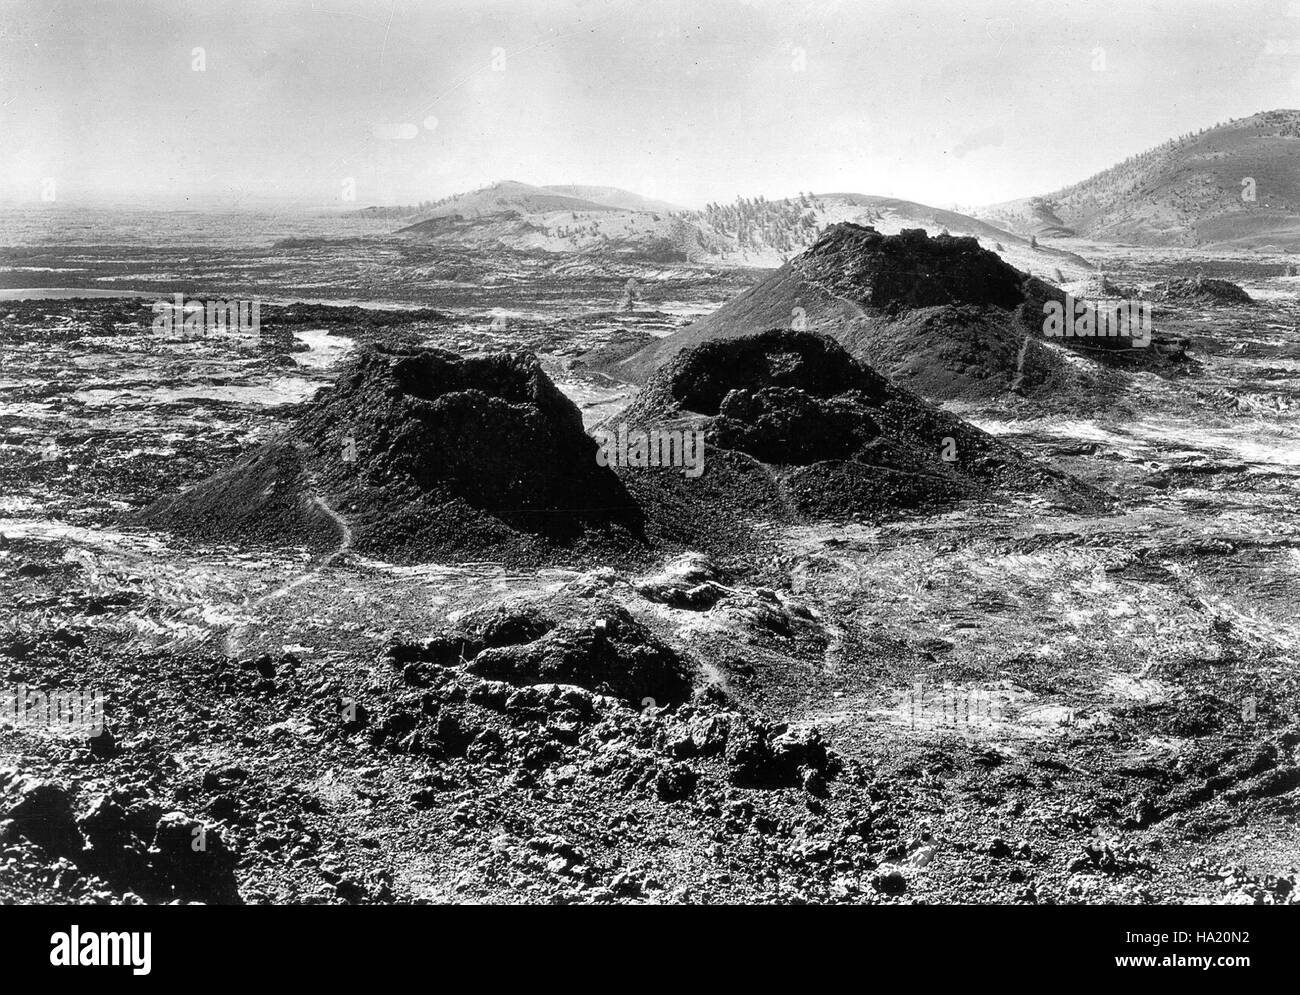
(941, 102)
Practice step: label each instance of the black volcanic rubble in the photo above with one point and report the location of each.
(350, 316)
(276, 322)
(262, 497)
(570, 746)
(606, 651)
(797, 427)
(130, 844)
(910, 269)
(942, 315)
(1199, 289)
(429, 455)
(597, 690)
(491, 434)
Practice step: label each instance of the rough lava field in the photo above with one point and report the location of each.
(1063, 672)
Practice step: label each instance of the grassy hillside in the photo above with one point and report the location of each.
(1188, 191)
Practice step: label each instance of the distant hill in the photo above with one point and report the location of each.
(605, 221)
(509, 197)
(890, 215)
(624, 200)
(1186, 192)
(512, 197)
(553, 219)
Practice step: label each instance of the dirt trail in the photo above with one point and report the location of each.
(345, 543)
(232, 642)
(1020, 366)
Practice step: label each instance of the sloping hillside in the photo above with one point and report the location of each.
(747, 232)
(1236, 184)
(509, 197)
(890, 216)
(624, 200)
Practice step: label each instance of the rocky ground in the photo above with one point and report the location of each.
(1004, 701)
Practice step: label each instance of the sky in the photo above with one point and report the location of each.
(220, 104)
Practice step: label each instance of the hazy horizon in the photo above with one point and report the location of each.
(235, 104)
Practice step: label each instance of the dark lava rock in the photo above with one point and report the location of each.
(425, 454)
(891, 882)
(263, 497)
(103, 745)
(113, 851)
(416, 455)
(688, 581)
(510, 627)
(313, 315)
(772, 756)
(942, 315)
(190, 861)
(675, 782)
(607, 651)
(795, 427)
(1200, 290)
(41, 812)
(786, 425)
(598, 646)
(699, 380)
(493, 432)
(911, 269)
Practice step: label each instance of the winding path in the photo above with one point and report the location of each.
(232, 640)
(1020, 365)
